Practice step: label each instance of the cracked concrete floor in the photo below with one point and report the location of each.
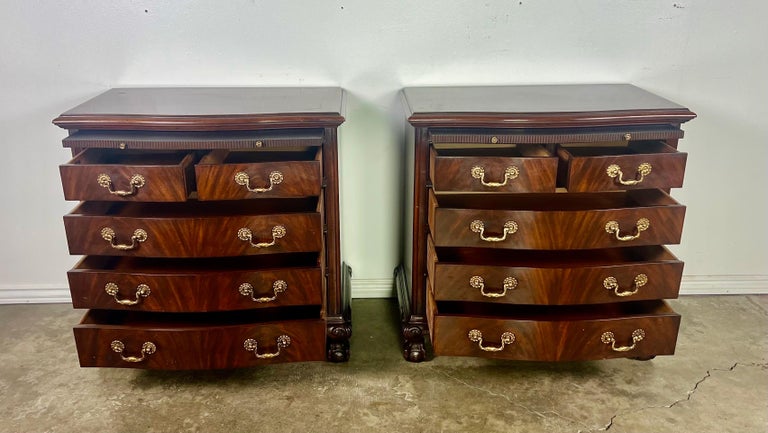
(717, 382)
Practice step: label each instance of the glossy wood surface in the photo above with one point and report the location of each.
(198, 344)
(452, 169)
(192, 229)
(585, 168)
(198, 286)
(203, 109)
(556, 222)
(562, 334)
(300, 174)
(167, 176)
(554, 278)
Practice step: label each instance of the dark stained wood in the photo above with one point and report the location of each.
(167, 176)
(585, 168)
(201, 344)
(340, 327)
(491, 136)
(557, 333)
(206, 109)
(183, 286)
(300, 174)
(451, 169)
(568, 221)
(554, 278)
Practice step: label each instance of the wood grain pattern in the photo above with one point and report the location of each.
(451, 170)
(561, 335)
(178, 286)
(215, 174)
(196, 346)
(551, 225)
(168, 176)
(585, 168)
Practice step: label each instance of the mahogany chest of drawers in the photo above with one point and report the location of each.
(209, 225)
(537, 222)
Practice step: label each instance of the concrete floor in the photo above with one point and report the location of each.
(717, 382)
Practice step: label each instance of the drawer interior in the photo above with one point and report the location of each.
(197, 266)
(262, 155)
(556, 312)
(555, 259)
(556, 202)
(175, 321)
(195, 208)
(514, 150)
(127, 157)
(617, 149)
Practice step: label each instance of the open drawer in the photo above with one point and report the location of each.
(641, 329)
(617, 166)
(126, 175)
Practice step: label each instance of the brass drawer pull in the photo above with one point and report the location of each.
(510, 283)
(139, 236)
(476, 336)
(136, 182)
(147, 348)
(252, 345)
(245, 234)
(614, 171)
(142, 291)
(478, 226)
(279, 286)
(511, 172)
(242, 178)
(611, 283)
(609, 338)
(640, 226)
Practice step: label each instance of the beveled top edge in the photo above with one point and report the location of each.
(208, 108)
(539, 104)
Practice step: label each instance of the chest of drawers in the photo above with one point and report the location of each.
(536, 222)
(209, 225)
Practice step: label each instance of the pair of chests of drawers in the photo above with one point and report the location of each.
(197, 258)
(544, 249)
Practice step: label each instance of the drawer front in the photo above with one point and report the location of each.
(484, 170)
(101, 175)
(547, 338)
(219, 180)
(559, 230)
(664, 168)
(189, 291)
(200, 347)
(193, 237)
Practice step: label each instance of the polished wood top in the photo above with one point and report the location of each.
(208, 108)
(539, 105)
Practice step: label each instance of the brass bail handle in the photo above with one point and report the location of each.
(640, 226)
(477, 226)
(611, 283)
(137, 181)
(477, 282)
(245, 234)
(510, 173)
(476, 336)
(252, 345)
(142, 291)
(608, 338)
(147, 349)
(242, 178)
(279, 286)
(139, 236)
(614, 171)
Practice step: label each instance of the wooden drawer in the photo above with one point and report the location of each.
(554, 277)
(632, 329)
(556, 221)
(127, 283)
(228, 175)
(515, 168)
(195, 229)
(124, 175)
(195, 341)
(632, 165)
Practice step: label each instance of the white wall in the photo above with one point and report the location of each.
(708, 55)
